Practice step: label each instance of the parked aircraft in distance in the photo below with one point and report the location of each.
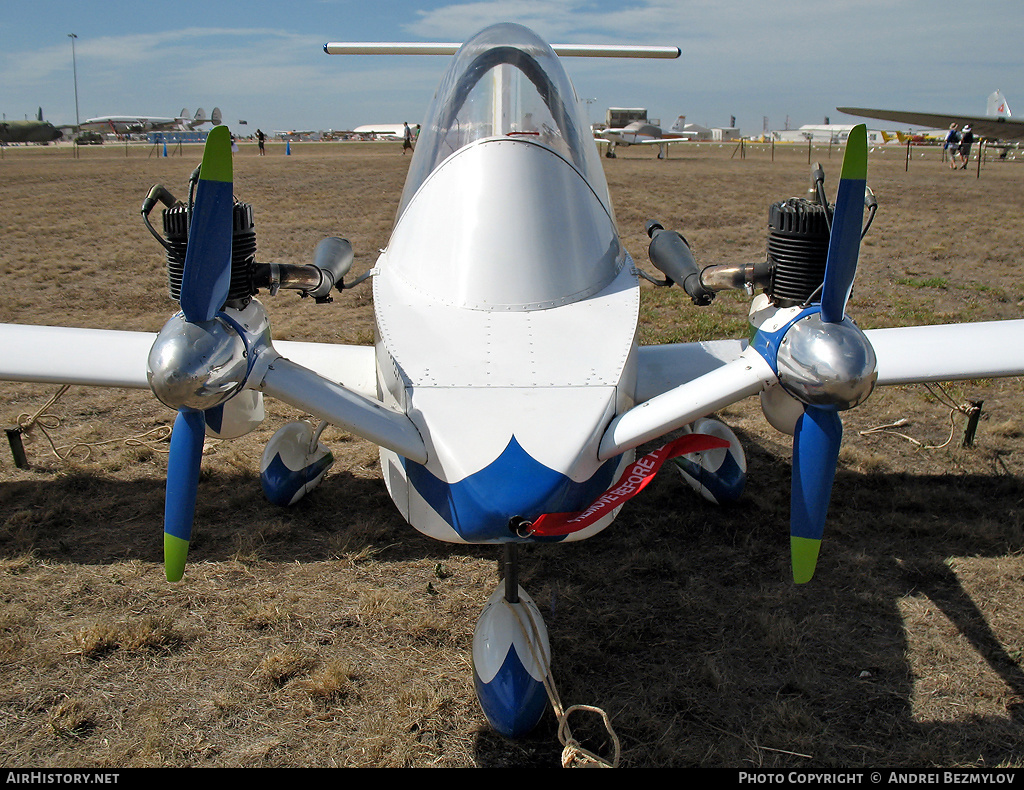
(382, 131)
(288, 135)
(644, 133)
(996, 124)
(37, 131)
(135, 124)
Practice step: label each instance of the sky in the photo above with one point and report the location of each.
(781, 63)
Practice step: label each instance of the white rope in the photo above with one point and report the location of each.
(943, 396)
(47, 422)
(904, 421)
(573, 754)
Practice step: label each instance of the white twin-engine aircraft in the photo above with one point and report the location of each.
(506, 388)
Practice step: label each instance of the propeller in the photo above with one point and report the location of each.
(847, 219)
(206, 281)
(836, 350)
(816, 441)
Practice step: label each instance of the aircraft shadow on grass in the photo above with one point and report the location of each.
(651, 670)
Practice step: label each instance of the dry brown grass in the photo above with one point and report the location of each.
(332, 634)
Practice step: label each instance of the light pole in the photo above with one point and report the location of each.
(74, 67)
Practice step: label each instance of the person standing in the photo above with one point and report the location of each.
(965, 145)
(261, 139)
(407, 139)
(950, 146)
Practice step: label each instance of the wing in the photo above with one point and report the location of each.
(661, 141)
(111, 358)
(983, 126)
(661, 368)
(604, 138)
(719, 374)
(725, 382)
(949, 352)
(906, 355)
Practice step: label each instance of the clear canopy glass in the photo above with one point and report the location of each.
(506, 81)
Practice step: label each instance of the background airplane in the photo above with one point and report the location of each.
(296, 134)
(134, 124)
(643, 133)
(996, 124)
(382, 131)
(37, 131)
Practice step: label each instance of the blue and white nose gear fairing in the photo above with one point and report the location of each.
(511, 656)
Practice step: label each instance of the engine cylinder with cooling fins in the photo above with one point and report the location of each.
(243, 250)
(797, 250)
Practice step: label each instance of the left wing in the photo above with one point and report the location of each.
(905, 354)
(604, 138)
(949, 352)
(661, 141)
(822, 361)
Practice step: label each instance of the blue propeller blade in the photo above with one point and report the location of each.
(206, 278)
(819, 431)
(815, 455)
(847, 218)
(182, 483)
(205, 285)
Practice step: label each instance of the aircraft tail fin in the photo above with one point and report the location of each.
(216, 116)
(200, 115)
(39, 115)
(886, 137)
(997, 106)
(680, 124)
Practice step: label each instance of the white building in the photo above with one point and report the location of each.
(835, 133)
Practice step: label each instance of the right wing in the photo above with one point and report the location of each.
(992, 128)
(112, 358)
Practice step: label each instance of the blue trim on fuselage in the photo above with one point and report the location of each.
(480, 506)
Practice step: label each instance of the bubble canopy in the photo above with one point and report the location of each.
(505, 81)
(505, 207)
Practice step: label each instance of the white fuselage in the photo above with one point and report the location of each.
(506, 326)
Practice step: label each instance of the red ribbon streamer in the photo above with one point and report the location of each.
(632, 482)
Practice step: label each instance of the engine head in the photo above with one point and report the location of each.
(798, 235)
(243, 250)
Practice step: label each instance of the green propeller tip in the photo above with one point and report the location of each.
(175, 554)
(805, 558)
(217, 156)
(855, 160)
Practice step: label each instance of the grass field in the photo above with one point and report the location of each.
(332, 634)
